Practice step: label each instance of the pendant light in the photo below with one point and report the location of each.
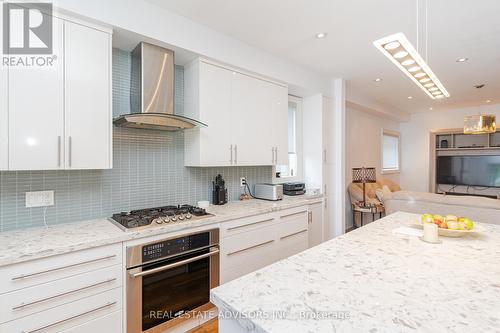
(398, 49)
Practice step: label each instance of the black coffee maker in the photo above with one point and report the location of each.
(219, 193)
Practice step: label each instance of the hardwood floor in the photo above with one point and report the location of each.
(210, 326)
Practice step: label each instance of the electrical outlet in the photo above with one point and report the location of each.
(39, 199)
(243, 181)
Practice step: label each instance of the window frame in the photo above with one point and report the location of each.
(299, 139)
(395, 134)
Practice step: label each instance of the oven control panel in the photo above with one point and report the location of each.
(174, 246)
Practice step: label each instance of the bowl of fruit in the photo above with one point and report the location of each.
(450, 225)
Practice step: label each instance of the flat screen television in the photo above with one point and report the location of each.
(480, 170)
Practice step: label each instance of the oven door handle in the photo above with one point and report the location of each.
(213, 251)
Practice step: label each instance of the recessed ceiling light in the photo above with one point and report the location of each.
(433, 89)
(427, 85)
(410, 97)
(377, 79)
(431, 108)
(402, 53)
(414, 69)
(437, 92)
(408, 62)
(488, 101)
(321, 35)
(439, 96)
(462, 59)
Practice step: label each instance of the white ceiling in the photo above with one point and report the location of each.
(287, 28)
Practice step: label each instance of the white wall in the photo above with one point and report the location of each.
(364, 146)
(415, 137)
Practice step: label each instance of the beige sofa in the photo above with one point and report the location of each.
(477, 208)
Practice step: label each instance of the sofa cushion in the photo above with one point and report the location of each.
(467, 201)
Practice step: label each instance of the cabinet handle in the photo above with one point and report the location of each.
(23, 276)
(294, 234)
(70, 157)
(291, 214)
(247, 225)
(70, 318)
(272, 155)
(59, 151)
(276, 155)
(324, 155)
(309, 217)
(250, 248)
(22, 305)
(231, 150)
(235, 154)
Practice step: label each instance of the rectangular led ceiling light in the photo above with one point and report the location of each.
(400, 51)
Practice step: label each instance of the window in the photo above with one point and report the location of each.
(390, 151)
(294, 140)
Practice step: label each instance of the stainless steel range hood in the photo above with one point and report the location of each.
(152, 92)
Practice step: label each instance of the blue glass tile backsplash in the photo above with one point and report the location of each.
(148, 170)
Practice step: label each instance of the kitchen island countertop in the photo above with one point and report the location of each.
(372, 280)
(35, 243)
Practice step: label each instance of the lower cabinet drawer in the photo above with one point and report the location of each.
(31, 273)
(70, 315)
(21, 303)
(245, 253)
(111, 323)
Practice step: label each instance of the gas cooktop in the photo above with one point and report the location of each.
(150, 217)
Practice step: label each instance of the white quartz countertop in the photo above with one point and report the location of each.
(34, 243)
(371, 280)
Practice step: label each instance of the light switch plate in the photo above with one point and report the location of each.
(39, 199)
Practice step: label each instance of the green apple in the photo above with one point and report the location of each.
(427, 218)
(461, 226)
(469, 224)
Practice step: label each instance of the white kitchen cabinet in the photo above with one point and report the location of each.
(208, 99)
(4, 113)
(279, 130)
(79, 291)
(36, 111)
(246, 117)
(110, 323)
(315, 221)
(87, 97)
(293, 233)
(69, 315)
(252, 243)
(59, 116)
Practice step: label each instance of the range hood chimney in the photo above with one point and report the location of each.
(152, 92)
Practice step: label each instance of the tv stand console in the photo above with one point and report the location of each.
(471, 195)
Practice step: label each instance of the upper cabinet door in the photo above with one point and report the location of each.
(252, 120)
(215, 111)
(36, 118)
(88, 115)
(279, 105)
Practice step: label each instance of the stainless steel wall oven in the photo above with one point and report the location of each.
(170, 280)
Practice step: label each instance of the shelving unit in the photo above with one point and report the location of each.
(457, 141)
(453, 142)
